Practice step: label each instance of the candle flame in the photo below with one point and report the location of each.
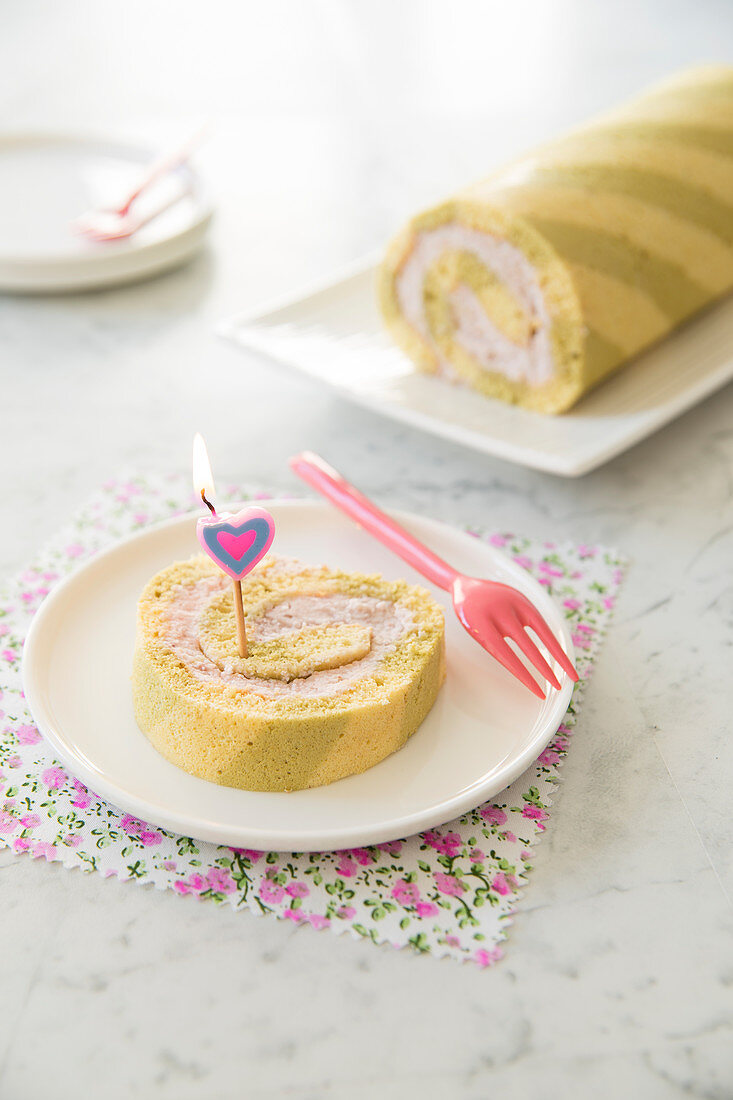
(203, 479)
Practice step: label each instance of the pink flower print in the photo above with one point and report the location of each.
(250, 853)
(406, 893)
(220, 881)
(523, 560)
(317, 921)
(347, 912)
(20, 844)
(488, 958)
(297, 890)
(130, 824)
(54, 777)
(550, 570)
(43, 850)
(82, 799)
(73, 840)
(609, 602)
(449, 844)
(525, 855)
(498, 540)
(584, 628)
(534, 813)
(477, 856)
(500, 884)
(127, 491)
(169, 865)
(572, 605)
(447, 884)
(7, 822)
(362, 856)
(27, 735)
(452, 941)
(586, 551)
(346, 867)
(14, 761)
(271, 892)
(426, 909)
(75, 550)
(150, 837)
(195, 885)
(509, 836)
(140, 517)
(29, 821)
(391, 847)
(452, 844)
(548, 758)
(293, 914)
(493, 815)
(4, 629)
(8, 655)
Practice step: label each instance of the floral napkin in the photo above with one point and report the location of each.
(449, 891)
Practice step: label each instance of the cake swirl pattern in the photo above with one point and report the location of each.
(342, 669)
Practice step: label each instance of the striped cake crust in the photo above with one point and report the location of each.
(537, 283)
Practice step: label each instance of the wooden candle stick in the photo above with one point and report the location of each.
(239, 614)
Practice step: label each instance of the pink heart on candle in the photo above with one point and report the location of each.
(236, 545)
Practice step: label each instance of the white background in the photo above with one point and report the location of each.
(332, 122)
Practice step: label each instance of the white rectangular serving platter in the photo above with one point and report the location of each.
(335, 333)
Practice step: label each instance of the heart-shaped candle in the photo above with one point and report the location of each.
(237, 542)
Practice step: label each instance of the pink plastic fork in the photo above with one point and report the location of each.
(491, 612)
(121, 221)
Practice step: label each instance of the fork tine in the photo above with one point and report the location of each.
(534, 620)
(508, 658)
(533, 655)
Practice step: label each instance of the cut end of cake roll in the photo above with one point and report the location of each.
(342, 669)
(537, 283)
(474, 295)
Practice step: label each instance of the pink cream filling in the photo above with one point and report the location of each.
(389, 623)
(474, 330)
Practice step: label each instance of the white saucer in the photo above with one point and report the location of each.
(483, 732)
(335, 334)
(48, 180)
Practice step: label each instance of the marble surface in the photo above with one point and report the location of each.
(333, 119)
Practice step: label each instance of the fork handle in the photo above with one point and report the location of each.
(327, 481)
(164, 163)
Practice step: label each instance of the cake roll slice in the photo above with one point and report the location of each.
(535, 284)
(342, 669)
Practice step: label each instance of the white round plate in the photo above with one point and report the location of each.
(483, 731)
(48, 180)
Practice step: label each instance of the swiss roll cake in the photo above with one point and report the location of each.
(341, 670)
(538, 282)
